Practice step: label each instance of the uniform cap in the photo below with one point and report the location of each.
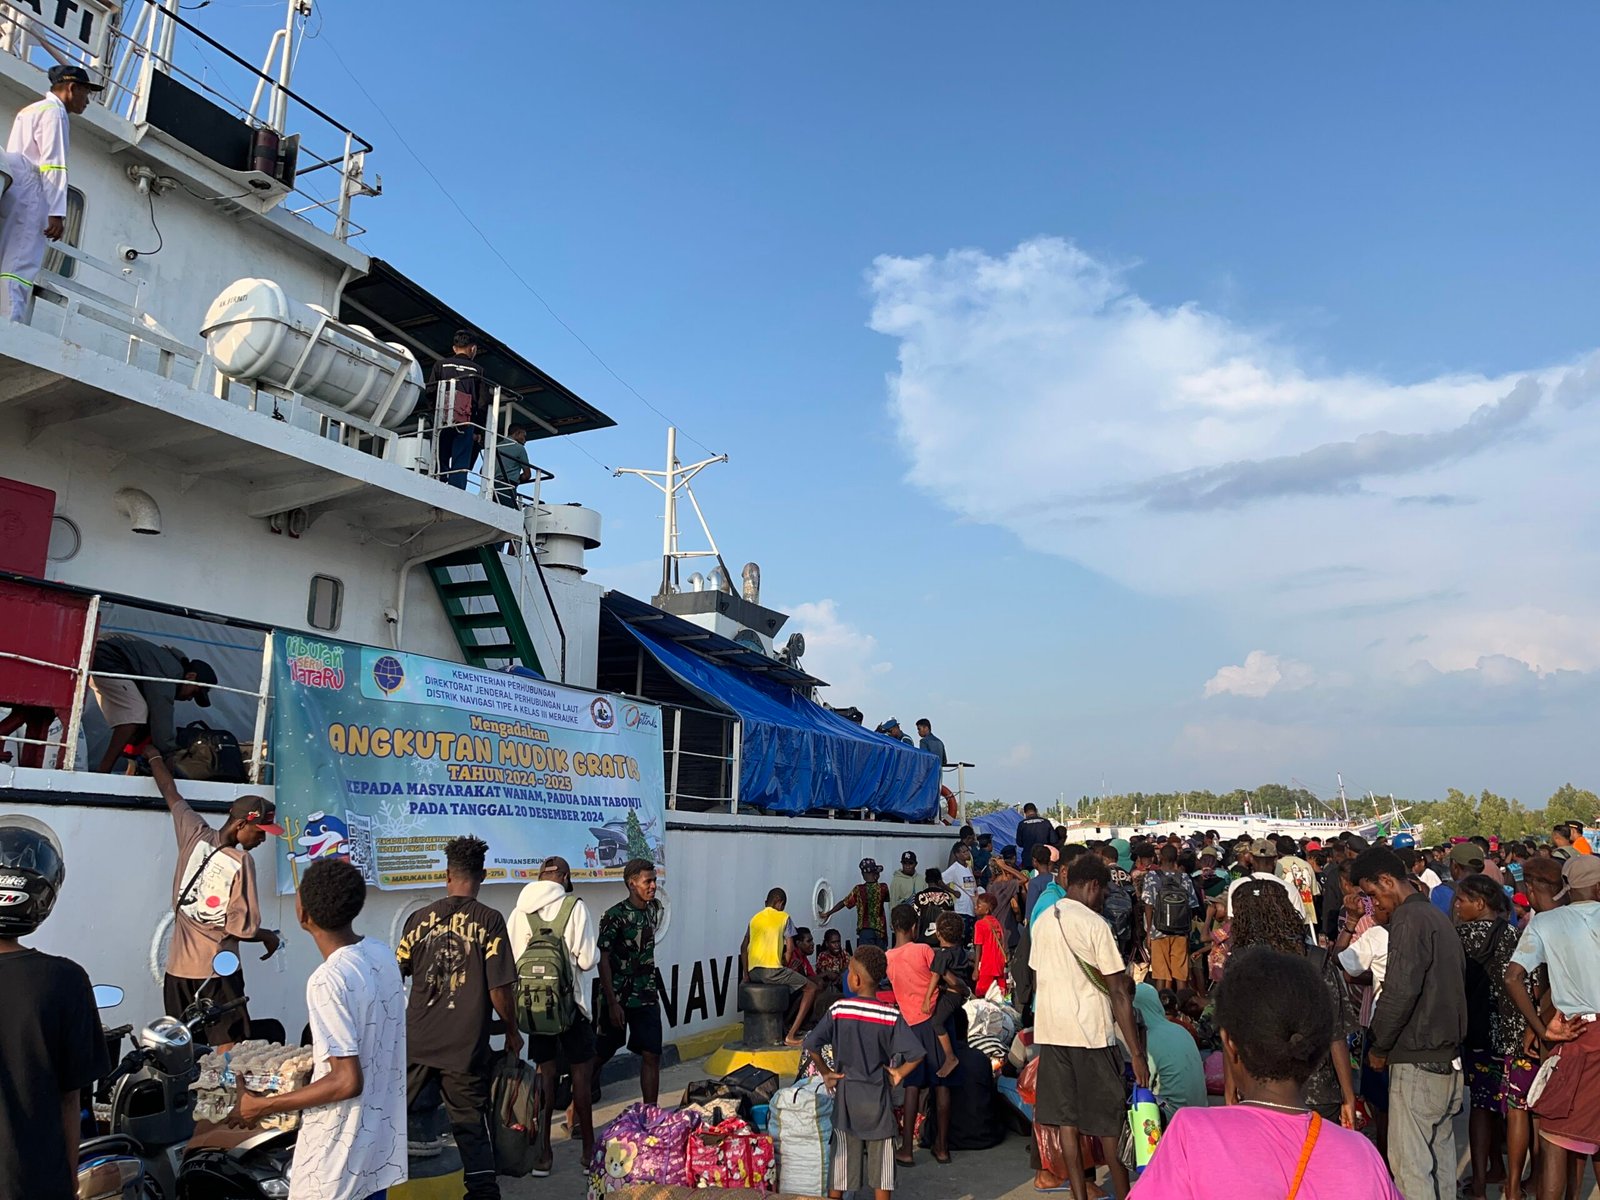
(72, 73)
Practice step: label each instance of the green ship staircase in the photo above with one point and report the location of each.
(482, 608)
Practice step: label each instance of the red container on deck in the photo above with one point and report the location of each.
(25, 514)
(43, 624)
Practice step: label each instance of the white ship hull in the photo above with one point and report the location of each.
(114, 915)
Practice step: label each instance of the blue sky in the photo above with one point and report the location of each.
(1099, 381)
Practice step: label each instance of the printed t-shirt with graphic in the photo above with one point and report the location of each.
(352, 1148)
(965, 883)
(931, 902)
(768, 928)
(910, 969)
(456, 951)
(1566, 941)
(223, 895)
(1152, 889)
(628, 935)
(868, 900)
(50, 1043)
(1071, 1006)
(1302, 881)
(866, 1037)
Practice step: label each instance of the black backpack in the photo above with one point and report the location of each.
(207, 753)
(1172, 913)
(1118, 912)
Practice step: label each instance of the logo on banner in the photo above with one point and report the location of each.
(635, 717)
(604, 715)
(325, 836)
(388, 673)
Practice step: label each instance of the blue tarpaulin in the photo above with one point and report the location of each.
(796, 755)
(1002, 826)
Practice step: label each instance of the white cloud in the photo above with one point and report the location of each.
(1182, 453)
(1018, 754)
(1259, 675)
(841, 653)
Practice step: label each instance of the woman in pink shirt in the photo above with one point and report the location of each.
(1277, 1022)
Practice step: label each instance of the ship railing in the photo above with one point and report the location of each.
(65, 748)
(481, 475)
(699, 779)
(123, 51)
(114, 300)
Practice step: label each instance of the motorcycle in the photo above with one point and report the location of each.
(145, 1104)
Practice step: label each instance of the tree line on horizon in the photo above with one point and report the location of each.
(1456, 814)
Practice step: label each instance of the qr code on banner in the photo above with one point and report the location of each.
(361, 846)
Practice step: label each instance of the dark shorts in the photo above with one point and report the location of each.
(789, 978)
(642, 1028)
(926, 1073)
(1083, 1088)
(576, 1045)
(177, 994)
(1486, 1079)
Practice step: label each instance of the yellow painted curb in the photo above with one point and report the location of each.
(781, 1061)
(440, 1187)
(698, 1045)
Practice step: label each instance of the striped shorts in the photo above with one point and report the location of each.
(846, 1174)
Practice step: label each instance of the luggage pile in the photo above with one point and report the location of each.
(739, 1131)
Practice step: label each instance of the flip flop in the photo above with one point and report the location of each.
(1060, 1187)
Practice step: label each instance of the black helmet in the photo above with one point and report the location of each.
(31, 874)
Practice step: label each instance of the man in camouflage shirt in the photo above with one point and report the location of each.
(632, 1009)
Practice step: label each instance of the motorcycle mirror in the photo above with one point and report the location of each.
(226, 962)
(107, 995)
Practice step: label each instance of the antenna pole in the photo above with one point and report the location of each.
(669, 523)
(674, 479)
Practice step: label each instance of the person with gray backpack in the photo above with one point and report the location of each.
(553, 942)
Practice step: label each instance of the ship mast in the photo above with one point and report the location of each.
(670, 482)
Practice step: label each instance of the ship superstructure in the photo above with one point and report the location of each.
(214, 427)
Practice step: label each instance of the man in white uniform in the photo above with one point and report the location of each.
(34, 207)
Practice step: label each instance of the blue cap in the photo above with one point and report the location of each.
(890, 723)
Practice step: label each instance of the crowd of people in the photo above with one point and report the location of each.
(1324, 1010)
(378, 1052)
(1343, 1000)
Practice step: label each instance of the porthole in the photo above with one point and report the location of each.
(325, 605)
(65, 539)
(666, 912)
(821, 899)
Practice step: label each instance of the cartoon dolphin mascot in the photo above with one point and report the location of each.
(324, 836)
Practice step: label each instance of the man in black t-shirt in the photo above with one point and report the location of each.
(50, 1040)
(459, 958)
(936, 897)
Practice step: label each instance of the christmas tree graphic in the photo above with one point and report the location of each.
(637, 846)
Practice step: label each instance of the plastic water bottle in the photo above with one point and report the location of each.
(1144, 1123)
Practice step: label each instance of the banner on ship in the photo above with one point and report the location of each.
(383, 757)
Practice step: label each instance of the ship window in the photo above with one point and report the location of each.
(56, 262)
(326, 604)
